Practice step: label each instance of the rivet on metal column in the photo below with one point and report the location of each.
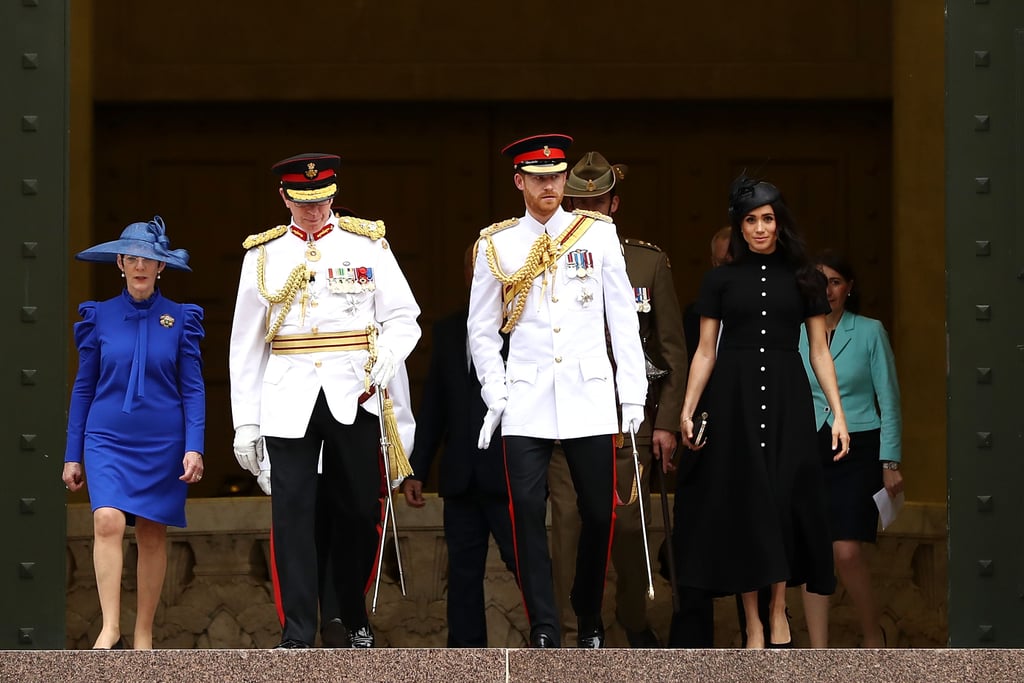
(985, 503)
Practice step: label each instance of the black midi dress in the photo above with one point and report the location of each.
(752, 503)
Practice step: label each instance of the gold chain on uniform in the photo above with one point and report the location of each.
(297, 279)
(543, 253)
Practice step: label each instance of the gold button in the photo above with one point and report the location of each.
(554, 300)
(558, 329)
(558, 359)
(318, 363)
(314, 303)
(316, 330)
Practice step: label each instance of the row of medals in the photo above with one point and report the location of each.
(580, 264)
(345, 283)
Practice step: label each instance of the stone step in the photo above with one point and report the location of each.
(501, 665)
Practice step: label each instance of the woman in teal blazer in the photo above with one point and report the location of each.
(870, 395)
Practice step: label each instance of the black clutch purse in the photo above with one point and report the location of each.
(700, 429)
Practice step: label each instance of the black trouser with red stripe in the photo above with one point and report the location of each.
(353, 480)
(591, 462)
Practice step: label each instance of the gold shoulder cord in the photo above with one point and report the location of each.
(297, 279)
(596, 215)
(542, 256)
(375, 230)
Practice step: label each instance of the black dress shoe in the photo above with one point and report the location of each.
(542, 640)
(591, 633)
(646, 638)
(291, 644)
(334, 634)
(361, 637)
(780, 646)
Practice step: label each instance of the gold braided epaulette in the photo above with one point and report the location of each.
(498, 227)
(596, 215)
(373, 229)
(631, 242)
(264, 237)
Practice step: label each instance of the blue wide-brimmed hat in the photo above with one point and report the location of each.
(148, 240)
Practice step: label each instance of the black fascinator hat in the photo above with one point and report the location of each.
(746, 194)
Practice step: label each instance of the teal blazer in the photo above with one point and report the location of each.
(866, 370)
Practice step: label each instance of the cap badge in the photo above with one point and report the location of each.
(547, 151)
(590, 186)
(311, 171)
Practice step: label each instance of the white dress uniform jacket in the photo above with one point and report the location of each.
(278, 392)
(559, 379)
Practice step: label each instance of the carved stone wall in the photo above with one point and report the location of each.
(217, 593)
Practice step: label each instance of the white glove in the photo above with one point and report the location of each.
(384, 369)
(632, 416)
(491, 421)
(263, 479)
(248, 448)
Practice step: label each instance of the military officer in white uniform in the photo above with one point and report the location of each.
(556, 281)
(323, 317)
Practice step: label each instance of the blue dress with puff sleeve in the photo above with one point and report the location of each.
(138, 404)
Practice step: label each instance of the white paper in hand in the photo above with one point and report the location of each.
(888, 507)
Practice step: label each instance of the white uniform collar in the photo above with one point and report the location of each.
(554, 227)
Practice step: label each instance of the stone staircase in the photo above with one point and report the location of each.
(503, 665)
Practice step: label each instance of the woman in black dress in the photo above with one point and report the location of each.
(753, 503)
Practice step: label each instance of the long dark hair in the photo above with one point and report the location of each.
(745, 195)
(838, 262)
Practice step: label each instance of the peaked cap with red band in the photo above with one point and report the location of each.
(539, 154)
(309, 178)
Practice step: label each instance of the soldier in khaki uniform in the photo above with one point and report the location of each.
(591, 186)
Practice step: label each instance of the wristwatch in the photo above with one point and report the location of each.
(890, 465)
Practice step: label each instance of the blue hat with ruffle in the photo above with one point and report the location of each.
(148, 240)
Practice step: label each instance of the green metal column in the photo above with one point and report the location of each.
(985, 318)
(33, 320)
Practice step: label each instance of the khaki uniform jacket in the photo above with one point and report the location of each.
(278, 392)
(661, 332)
(559, 380)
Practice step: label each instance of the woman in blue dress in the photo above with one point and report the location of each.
(137, 419)
(752, 504)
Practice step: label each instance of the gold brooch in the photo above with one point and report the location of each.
(166, 320)
(311, 171)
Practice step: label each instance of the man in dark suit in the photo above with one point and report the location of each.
(471, 481)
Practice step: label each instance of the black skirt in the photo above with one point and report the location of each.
(851, 483)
